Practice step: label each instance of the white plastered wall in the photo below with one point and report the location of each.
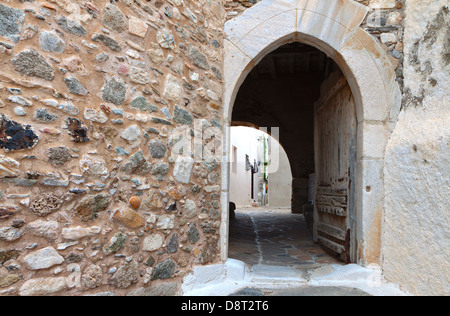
(416, 241)
(244, 141)
(280, 180)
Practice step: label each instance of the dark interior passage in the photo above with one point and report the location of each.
(301, 92)
(280, 92)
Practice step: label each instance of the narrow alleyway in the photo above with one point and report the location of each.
(274, 237)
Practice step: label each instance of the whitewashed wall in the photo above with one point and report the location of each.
(416, 239)
(244, 139)
(280, 181)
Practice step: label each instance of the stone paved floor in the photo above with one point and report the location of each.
(267, 239)
(302, 291)
(279, 257)
(274, 237)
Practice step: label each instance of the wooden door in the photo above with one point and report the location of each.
(335, 150)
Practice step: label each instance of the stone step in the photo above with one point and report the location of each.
(275, 275)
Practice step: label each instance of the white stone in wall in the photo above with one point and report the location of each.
(43, 259)
(388, 38)
(183, 169)
(156, 54)
(42, 228)
(190, 209)
(138, 27)
(152, 242)
(20, 111)
(43, 286)
(212, 95)
(139, 76)
(165, 39)
(93, 166)
(165, 222)
(132, 135)
(382, 4)
(10, 234)
(20, 100)
(95, 116)
(75, 233)
(212, 188)
(172, 88)
(9, 168)
(395, 18)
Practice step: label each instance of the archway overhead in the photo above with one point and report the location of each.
(279, 94)
(274, 134)
(332, 27)
(246, 124)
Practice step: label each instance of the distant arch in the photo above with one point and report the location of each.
(278, 168)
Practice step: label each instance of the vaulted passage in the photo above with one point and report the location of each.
(280, 92)
(301, 97)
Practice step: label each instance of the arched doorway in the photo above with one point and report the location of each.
(333, 28)
(263, 229)
(302, 94)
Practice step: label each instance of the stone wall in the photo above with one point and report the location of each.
(236, 7)
(385, 23)
(97, 195)
(417, 167)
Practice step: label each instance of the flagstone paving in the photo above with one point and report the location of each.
(262, 236)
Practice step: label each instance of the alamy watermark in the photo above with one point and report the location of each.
(205, 142)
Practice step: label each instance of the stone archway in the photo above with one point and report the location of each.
(334, 28)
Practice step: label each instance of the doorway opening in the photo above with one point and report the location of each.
(260, 170)
(301, 98)
(354, 192)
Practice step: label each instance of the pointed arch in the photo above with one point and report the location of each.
(334, 28)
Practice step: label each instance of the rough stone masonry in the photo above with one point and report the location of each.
(93, 98)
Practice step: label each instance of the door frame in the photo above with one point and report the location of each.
(333, 28)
